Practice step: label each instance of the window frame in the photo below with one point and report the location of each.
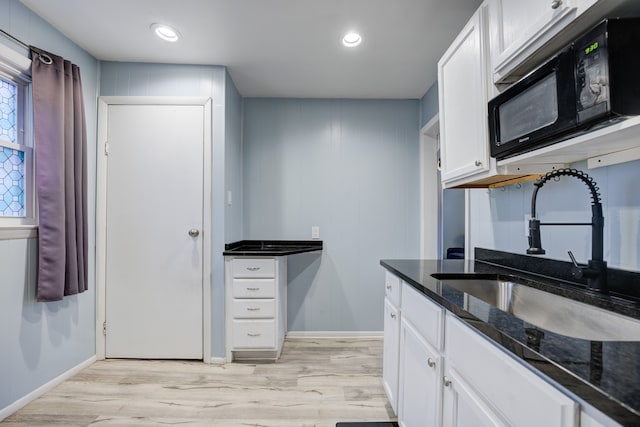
(16, 68)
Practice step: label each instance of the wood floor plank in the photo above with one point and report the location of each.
(316, 382)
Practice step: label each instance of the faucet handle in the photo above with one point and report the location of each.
(573, 259)
(581, 272)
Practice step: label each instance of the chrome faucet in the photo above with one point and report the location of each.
(596, 270)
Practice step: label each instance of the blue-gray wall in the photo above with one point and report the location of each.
(233, 161)
(351, 168)
(498, 216)
(40, 341)
(136, 79)
(429, 106)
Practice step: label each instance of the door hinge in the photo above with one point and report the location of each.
(106, 148)
(104, 328)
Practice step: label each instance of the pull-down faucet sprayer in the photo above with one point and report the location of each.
(596, 271)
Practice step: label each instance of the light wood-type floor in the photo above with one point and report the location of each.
(316, 382)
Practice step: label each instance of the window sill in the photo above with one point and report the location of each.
(19, 232)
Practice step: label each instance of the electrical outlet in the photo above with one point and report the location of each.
(527, 217)
(229, 197)
(315, 232)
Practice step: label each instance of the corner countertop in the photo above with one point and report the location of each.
(271, 247)
(608, 381)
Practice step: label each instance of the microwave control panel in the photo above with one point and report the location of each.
(592, 79)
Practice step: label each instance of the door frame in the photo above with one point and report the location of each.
(430, 191)
(101, 210)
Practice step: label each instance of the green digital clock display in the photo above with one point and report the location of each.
(591, 48)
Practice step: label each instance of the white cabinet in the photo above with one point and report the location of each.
(490, 387)
(255, 307)
(391, 353)
(421, 374)
(462, 407)
(391, 347)
(462, 92)
(420, 379)
(521, 27)
(524, 33)
(453, 376)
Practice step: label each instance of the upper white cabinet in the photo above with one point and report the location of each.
(524, 33)
(521, 27)
(464, 136)
(463, 98)
(462, 87)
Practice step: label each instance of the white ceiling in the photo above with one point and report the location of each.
(276, 48)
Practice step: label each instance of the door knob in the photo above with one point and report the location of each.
(194, 232)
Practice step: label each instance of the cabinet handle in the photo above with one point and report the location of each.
(253, 268)
(389, 287)
(431, 362)
(478, 163)
(556, 4)
(393, 315)
(253, 308)
(253, 289)
(253, 334)
(446, 381)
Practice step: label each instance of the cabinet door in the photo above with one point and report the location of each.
(391, 350)
(420, 393)
(521, 27)
(463, 103)
(462, 407)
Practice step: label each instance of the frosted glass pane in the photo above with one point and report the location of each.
(11, 182)
(533, 109)
(8, 119)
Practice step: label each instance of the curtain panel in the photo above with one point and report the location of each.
(61, 175)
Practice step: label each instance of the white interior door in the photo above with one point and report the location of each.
(154, 217)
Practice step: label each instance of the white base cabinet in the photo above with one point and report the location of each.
(255, 307)
(421, 374)
(486, 384)
(448, 374)
(420, 380)
(390, 361)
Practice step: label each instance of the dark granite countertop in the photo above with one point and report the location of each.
(271, 247)
(605, 374)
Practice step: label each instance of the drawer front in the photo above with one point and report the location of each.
(392, 288)
(254, 334)
(254, 288)
(503, 382)
(253, 309)
(423, 314)
(254, 267)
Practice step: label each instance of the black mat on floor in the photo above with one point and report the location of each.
(368, 424)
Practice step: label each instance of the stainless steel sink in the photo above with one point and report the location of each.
(549, 311)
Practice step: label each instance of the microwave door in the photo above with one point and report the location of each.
(535, 110)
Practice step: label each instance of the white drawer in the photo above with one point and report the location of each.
(392, 288)
(254, 334)
(253, 309)
(254, 288)
(501, 380)
(425, 316)
(254, 267)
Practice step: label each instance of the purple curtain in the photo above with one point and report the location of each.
(61, 175)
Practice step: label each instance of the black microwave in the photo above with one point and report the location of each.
(593, 82)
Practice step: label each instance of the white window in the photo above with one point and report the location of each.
(17, 189)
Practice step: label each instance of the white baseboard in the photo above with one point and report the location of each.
(218, 360)
(23, 401)
(334, 334)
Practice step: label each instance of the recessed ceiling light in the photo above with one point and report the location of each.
(351, 39)
(165, 32)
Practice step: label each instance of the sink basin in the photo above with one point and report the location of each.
(549, 311)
